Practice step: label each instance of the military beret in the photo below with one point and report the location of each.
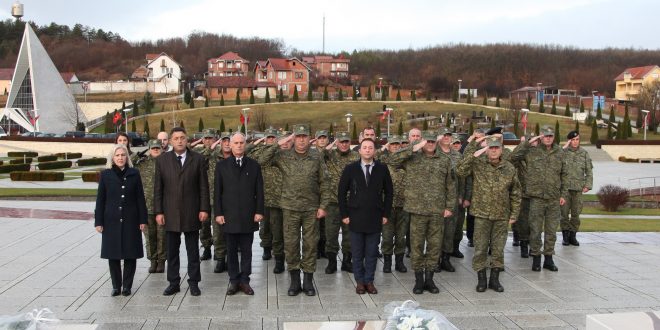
(494, 141)
(320, 133)
(155, 144)
(271, 132)
(301, 129)
(429, 136)
(343, 136)
(208, 133)
(572, 135)
(547, 131)
(443, 131)
(494, 130)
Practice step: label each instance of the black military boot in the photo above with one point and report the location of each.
(549, 264)
(267, 254)
(320, 249)
(481, 280)
(457, 252)
(399, 266)
(206, 255)
(429, 285)
(419, 283)
(160, 266)
(387, 263)
(308, 284)
(332, 263)
(279, 265)
(516, 239)
(494, 282)
(152, 267)
(470, 243)
(565, 237)
(536, 263)
(220, 266)
(572, 239)
(294, 288)
(446, 264)
(347, 263)
(524, 249)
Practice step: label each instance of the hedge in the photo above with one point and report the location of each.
(91, 176)
(16, 167)
(16, 154)
(21, 161)
(53, 165)
(48, 158)
(1, 162)
(91, 161)
(69, 155)
(36, 176)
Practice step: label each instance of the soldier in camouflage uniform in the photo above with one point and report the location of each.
(444, 146)
(335, 161)
(207, 140)
(304, 199)
(522, 224)
(545, 185)
(467, 196)
(461, 182)
(580, 180)
(155, 235)
(394, 231)
(321, 141)
(218, 237)
(429, 197)
(496, 199)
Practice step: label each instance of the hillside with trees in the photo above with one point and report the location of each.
(496, 69)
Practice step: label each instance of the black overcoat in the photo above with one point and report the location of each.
(365, 205)
(181, 192)
(120, 209)
(239, 194)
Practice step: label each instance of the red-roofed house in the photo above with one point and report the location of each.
(229, 86)
(327, 66)
(5, 80)
(285, 73)
(630, 82)
(69, 77)
(227, 65)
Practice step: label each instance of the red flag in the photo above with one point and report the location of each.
(384, 115)
(116, 118)
(242, 119)
(523, 120)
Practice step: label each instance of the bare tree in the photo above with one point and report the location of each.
(260, 119)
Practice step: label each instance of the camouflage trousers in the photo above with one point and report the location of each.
(394, 232)
(219, 243)
(270, 231)
(544, 215)
(425, 240)
(573, 206)
(449, 231)
(332, 226)
(295, 222)
(522, 223)
(493, 234)
(458, 229)
(205, 234)
(155, 240)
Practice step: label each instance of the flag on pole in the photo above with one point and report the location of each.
(245, 120)
(523, 120)
(385, 114)
(117, 118)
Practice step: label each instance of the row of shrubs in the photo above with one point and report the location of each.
(14, 167)
(91, 161)
(91, 176)
(36, 176)
(16, 154)
(21, 161)
(32, 154)
(55, 164)
(69, 155)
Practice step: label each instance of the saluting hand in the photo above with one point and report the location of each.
(568, 143)
(160, 219)
(585, 189)
(320, 213)
(259, 140)
(536, 138)
(203, 216)
(419, 145)
(258, 217)
(331, 145)
(480, 151)
(220, 219)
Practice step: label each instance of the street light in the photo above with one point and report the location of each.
(459, 89)
(525, 111)
(389, 113)
(538, 92)
(126, 111)
(646, 114)
(348, 122)
(245, 118)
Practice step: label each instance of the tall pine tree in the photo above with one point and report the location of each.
(238, 97)
(280, 97)
(251, 96)
(295, 95)
(200, 124)
(145, 128)
(594, 133)
(554, 107)
(222, 125)
(369, 94)
(557, 133)
(497, 101)
(310, 97)
(162, 125)
(340, 97)
(541, 106)
(398, 94)
(222, 100)
(325, 93)
(267, 99)
(399, 130)
(567, 111)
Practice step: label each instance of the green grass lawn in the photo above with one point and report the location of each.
(622, 211)
(619, 225)
(43, 192)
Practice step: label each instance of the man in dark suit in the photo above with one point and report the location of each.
(239, 207)
(181, 204)
(365, 201)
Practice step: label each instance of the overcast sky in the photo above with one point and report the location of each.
(382, 24)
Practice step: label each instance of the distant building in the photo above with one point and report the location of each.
(285, 74)
(545, 93)
(327, 66)
(163, 71)
(229, 86)
(228, 65)
(5, 80)
(630, 82)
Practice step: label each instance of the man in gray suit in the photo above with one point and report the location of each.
(181, 204)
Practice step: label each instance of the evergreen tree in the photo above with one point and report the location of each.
(181, 124)
(378, 133)
(567, 111)
(354, 96)
(471, 129)
(325, 94)
(554, 107)
(148, 102)
(286, 127)
(145, 128)
(541, 106)
(206, 102)
(577, 126)
(485, 102)
(399, 130)
(251, 96)
(133, 128)
(192, 103)
(295, 95)
(529, 103)
(428, 95)
(123, 105)
(330, 131)
(238, 97)
(612, 118)
(222, 100)
(454, 95)
(267, 100)
(187, 97)
(557, 133)
(108, 123)
(497, 101)
(200, 125)
(581, 106)
(243, 129)
(599, 112)
(398, 94)
(413, 95)
(354, 135)
(222, 125)
(469, 96)
(383, 95)
(516, 130)
(136, 109)
(310, 97)
(425, 125)
(537, 129)
(340, 97)
(619, 131)
(610, 134)
(594, 133)
(162, 125)
(280, 97)
(626, 121)
(369, 94)
(448, 123)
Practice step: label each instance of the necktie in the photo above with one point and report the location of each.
(179, 158)
(368, 173)
(238, 162)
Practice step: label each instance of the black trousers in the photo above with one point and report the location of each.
(469, 225)
(116, 275)
(364, 247)
(239, 274)
(173, 262)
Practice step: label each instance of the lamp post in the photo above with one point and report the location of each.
(525, 111)
(538, 93)
(126, 111)
(389, 113)
(646, 114)
(459, 89)
(348, 122)
(245, 118)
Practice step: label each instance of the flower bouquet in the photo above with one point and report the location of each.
(408, 316)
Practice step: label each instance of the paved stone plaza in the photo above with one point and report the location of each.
(47, 260)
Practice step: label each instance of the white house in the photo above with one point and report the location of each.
(162, 68)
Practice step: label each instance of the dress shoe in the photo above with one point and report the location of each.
(114, 292)
(360, 289)
(153, 266)
(267, 254)
(206, 255)
(171, 289)
(160, 266)
(245, 287)
(371, 289)
(232, 289)
(126, 292)
(194, 290)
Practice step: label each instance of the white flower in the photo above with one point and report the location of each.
(416, 321)
(432, 325)
(404, 324)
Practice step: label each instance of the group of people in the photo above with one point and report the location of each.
(413, 195)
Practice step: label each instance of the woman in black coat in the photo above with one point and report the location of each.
(120, 216)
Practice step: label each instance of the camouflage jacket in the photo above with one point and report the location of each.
(521, 167)
(429, 184)
(398, 175)
(305, 185)
(578, 165)
(546, 174)
(272, 180)
(335, 161)
(455, 157)
(493, 185)
(147, 168)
